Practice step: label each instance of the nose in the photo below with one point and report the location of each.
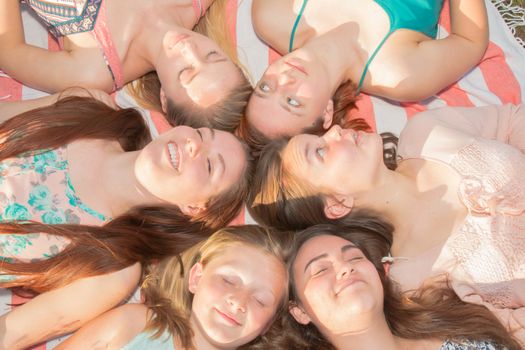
(237, 301)
(191, 53)
(285, 79)
(334, 133)
(193, 147)
(345, 269)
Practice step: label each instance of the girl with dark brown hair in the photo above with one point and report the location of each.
(79, 161)
(454, 193)
(342, 298)
(223, 293)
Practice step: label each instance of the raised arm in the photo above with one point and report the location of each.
(112, 330)
(65, 309)
(55, 71)
(435, 64)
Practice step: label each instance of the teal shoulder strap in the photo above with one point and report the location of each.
(296, 23)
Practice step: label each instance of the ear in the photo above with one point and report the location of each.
(195, 275)
(298, 313)
(163, 101)
(336, 206)
(387, 266)
(328, 115)
(192, 210)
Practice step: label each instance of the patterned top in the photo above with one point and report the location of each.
(483, 258)
(38, 188)
(468, 345)
(66, 17)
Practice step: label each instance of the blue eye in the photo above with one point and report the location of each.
(264, 87)
(320, 152)
(292, 102)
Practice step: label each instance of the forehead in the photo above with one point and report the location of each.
(253, 264)
(325, 244)
(268, 116)
(295, 154)
(213, 82)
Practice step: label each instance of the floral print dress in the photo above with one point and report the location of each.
(38, 187)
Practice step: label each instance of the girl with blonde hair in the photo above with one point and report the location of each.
(108, 43)
(223, 293)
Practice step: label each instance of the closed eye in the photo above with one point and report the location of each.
(211, 54)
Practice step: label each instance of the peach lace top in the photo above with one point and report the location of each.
(484, 258)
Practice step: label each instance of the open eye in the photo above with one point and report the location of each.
(264, 87)
(320, 152)
(292, 102)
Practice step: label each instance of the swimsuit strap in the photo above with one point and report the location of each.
(197, 8)
(294, 28)
(363, 75)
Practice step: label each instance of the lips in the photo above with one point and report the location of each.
(180, 38)
(174, 155)
(295, 65)
(228, 318)
(345, 284)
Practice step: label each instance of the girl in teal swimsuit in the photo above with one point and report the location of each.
(334, 49)
(220, 294)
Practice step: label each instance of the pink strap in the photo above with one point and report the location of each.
(197, 8)
(108, 49)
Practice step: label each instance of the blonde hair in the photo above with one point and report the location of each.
(165, 288)
(226, 113)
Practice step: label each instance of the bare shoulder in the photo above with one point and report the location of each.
(273, 21)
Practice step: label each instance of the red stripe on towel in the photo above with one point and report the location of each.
(499, 77)
(365, 110)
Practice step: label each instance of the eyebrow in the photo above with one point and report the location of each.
(322, 256)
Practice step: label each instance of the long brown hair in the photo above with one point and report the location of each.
(225, 114)
(165, 230)
(278, 199)
(165, 288)
(433, 312)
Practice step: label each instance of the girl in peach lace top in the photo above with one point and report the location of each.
(456, 198)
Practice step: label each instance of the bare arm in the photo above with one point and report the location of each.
(55, 71)
(112, 330)
(65, 309)
(503, 123)
(435, 64)
(11, 108)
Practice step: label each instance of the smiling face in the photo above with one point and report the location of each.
(339, 289)
(293, 94)
(236, 295)
(341, 162)
(192, 69)
(186, 166)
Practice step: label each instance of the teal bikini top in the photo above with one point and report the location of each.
(418, 15)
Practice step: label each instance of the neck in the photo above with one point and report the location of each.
(200, 340)
(118, 184)
(336, 59)
(376, 336)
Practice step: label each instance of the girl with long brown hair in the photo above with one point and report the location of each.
(108, 43)
(342, 298)
(79, 161)
(223, 293)
(454, 193)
